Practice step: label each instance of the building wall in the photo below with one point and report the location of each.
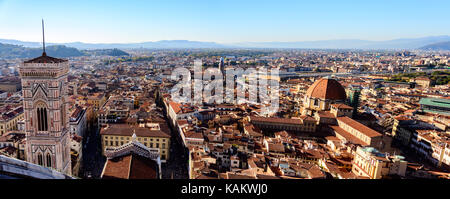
(11, 124)
(369, 165)
(305, 127)
(319, 104)
(152, 142)
(341, 112)
(79, 126)
(364, 167)
(355, 132)
(423, 83)
(446, 157)
(97, 102)
(10, 87)
(195, 141)
(436, 153)
(400, 134)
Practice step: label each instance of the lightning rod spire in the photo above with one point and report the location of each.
(43, 38)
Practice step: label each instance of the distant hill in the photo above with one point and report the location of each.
(404, 43)
(437, 46)
(410, 43)
(22, 43)
(108, 52)
(156, 44)
(9, 51)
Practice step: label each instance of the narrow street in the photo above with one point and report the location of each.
(93, 160)
(177, 165)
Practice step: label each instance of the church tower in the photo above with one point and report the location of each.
(44, 90)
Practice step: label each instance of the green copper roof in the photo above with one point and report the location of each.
(435, 102)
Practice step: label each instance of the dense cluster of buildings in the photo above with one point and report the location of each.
(359, 125)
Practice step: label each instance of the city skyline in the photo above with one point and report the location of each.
(252, 90)
(222, 22)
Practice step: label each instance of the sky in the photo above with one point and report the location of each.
(221, 21)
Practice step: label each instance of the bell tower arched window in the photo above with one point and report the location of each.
(40, 159)
(49, 160)
(42, 121)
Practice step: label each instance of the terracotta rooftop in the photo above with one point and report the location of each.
(327, 88)
(230, 175)
(325, 114)
(307, 118)
(342, 106)
(358, 126)
(273, 147)
(127, 130)
(348, 136)
(45, 59)
(193, 134)
(130, 166)
(263, 176)
(175, 106)
(276, 120)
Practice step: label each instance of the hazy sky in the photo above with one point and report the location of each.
(222, 21)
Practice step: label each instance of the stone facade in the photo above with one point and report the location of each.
(44, 83)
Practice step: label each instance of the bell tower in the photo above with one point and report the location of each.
(44, 90)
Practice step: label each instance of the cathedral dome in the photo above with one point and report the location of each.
(326, 89)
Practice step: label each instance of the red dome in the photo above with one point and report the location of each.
(327, 88)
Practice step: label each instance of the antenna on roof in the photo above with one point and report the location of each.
(43, 38)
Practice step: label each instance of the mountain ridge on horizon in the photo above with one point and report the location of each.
(437, 46)
(401, 43)
(11, 51)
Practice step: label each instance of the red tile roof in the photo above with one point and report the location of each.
(45, 59)
(327, 88)
(175, 106)
(342, 106)
(276, 120)
(358, 126)
(348, 136)
(130, 166)
(128, 130)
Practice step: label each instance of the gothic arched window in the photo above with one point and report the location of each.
(41, 112)
(49, 160)
(40, 159)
